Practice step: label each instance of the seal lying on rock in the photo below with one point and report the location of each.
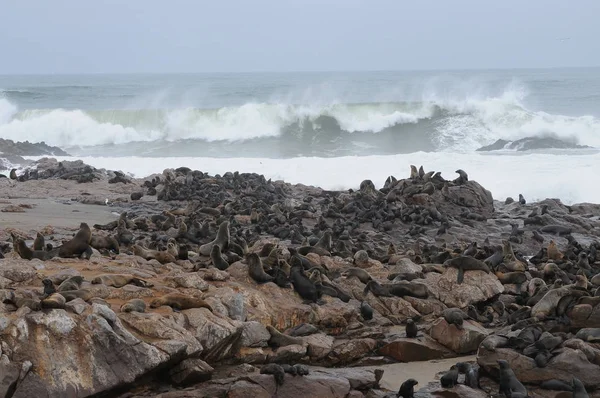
(275, 370)
(455, 316)
(120, 280)
(279, 339)
(134, 305)
(466, 263)
(179, 302)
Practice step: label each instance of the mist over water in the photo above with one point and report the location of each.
(302, 119)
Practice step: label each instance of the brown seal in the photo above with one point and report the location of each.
(256, 270)
(83, 294)
(162, 257)
(466, 263)
(99, 242)
(26, 253)
(120, 280)
(38, 243)
(553, 252)
(72, 283)
(360, 273)
(179, 302)
(279, 339)
(222, 239)
(79, 245)
(217, 259)
(55, 300)
(134, 305)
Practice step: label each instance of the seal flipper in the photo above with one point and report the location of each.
(461, 276)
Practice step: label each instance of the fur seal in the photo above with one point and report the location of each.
(579, 389)
(275, 370)
(179, 302)
(49, 287)
(546, 306)
(72, 283)
(509, 384)
(407, 389)
(162, 257)
(13, 174)
(279, 339)
(301, 370)
(55, 300)
(38, 243)
(222, 239)
(511, 278)
(556, 385)
(556, 229)
(454, 316)
(366, 311)
(217, 259)
(99, 242)
(70, 295)
(553, 252)
(471, 374)
(466, 263)
(411, 329)
(510, 260)
(255, 269)
(588, 334)
(360, 273)
(411, 289)
(26, 253)
(137, 305)
(120, 280)
(79, 245)
(450, 378)
(377, 289)
(32, 304)
(302, 285)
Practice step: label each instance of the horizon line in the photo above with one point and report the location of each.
(295, 71)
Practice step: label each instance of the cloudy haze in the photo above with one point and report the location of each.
(74, 36)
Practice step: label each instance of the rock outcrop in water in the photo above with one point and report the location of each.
(531, 143)
(229, 285)
(11, 152)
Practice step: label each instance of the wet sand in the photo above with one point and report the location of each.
(424, 372)
(57, 213)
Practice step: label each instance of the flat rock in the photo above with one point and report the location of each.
(418, 349)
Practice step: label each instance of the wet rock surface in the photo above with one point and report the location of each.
(294, 289)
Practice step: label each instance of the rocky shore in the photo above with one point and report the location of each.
(11, 152)
(189, 285)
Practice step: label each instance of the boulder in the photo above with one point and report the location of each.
(461, 341)
(418, 349)
(477, 286)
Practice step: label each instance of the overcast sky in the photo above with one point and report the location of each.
(80, 36)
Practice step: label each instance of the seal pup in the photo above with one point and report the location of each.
(34, 305)
(255, 269)
(407, 389)
(411, 329)
(26, 253)
(509, 384)
(450, 378)
(70, 295)
(466, 263)
(454, 316)
(38, 243)
(366, 311)
(134, 305)
(79, 245)
(471, 374)
(222, 239)
(217, 259)
(579, 389)
(179, 302)
(49, 287)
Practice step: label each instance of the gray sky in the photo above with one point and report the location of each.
(80, 36)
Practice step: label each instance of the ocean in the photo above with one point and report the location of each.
(331, 129)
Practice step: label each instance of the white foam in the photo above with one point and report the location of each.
(537, 176)
(7, 111)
